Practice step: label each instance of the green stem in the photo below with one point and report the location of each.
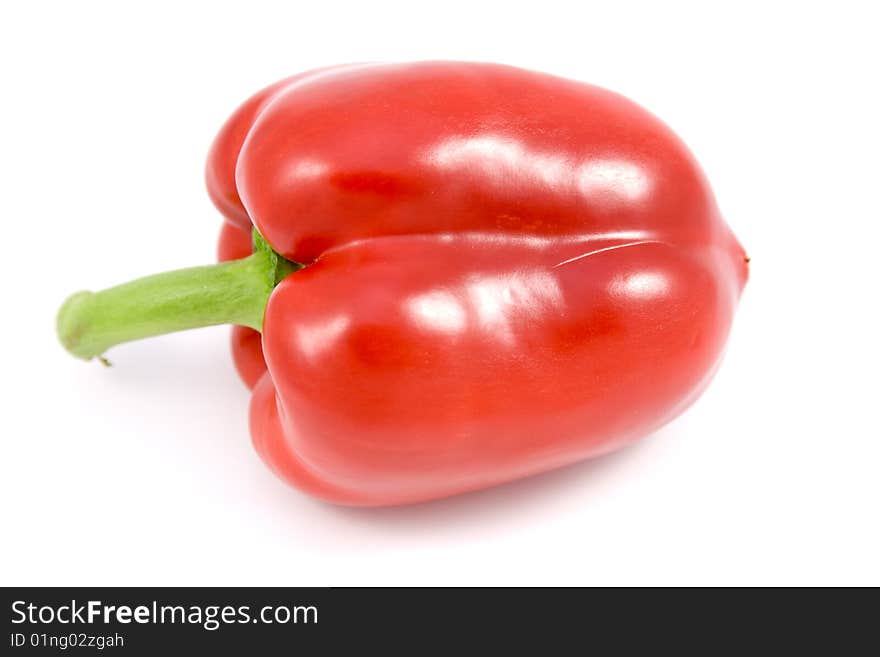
(233, 292)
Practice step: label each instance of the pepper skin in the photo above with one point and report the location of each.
(504, 272)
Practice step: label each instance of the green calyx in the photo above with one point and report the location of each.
(234, 292)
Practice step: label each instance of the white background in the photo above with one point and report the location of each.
(144, 473)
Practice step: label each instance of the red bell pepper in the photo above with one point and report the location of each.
(464, 274)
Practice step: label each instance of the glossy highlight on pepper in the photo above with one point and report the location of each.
(480, 273)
